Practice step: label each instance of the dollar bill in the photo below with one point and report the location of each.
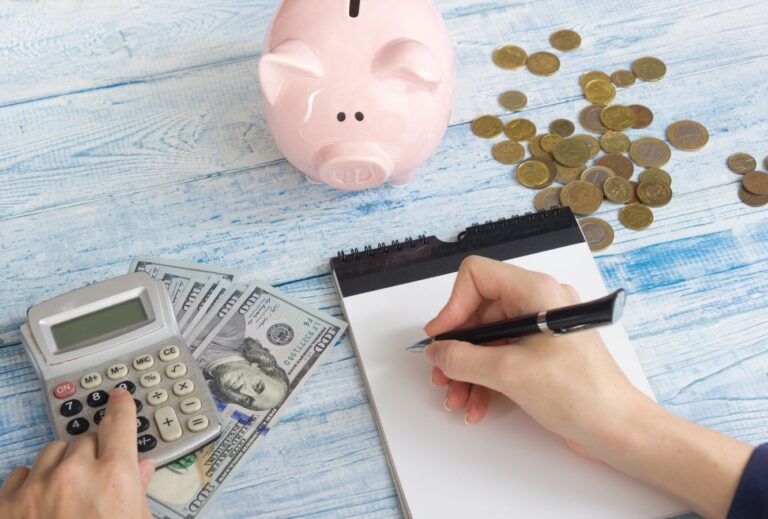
(206, 323)
(209, 296)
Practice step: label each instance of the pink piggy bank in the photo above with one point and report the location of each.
(357, 92)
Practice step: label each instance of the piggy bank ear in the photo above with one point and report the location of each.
(289, 60)
(410, 60)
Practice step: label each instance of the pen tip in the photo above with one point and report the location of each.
(421, 345)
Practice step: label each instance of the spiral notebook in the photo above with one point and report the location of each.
(506, 466)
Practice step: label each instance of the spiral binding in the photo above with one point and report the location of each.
(381, 248)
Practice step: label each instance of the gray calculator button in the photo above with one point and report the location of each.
(157, 397)
(143, 362)
(197, 423)
(190, 405)
(169, 353)
(117, 371)
(183, 387)
(167, 424)
(150, 379)
(90, 381)
(176, 370)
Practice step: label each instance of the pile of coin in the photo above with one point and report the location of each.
(754, 184)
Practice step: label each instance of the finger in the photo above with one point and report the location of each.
(456, 396)
(117, 430)
(48, 458)
(86, 447)
(13, 482)
(466, 362)
(477, 406)
(438, 378)
(146, 471)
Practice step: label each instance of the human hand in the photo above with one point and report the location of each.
(97, 475)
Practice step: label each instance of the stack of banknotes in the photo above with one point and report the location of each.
(256, 347)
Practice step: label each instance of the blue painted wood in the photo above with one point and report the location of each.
(138, 129)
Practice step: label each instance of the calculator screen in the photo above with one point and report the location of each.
(85, 329)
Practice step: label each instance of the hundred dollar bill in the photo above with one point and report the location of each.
(257, 355)
(200, 330)
(208, 297)
(152, 265)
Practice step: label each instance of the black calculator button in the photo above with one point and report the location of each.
(71, 407)
(142, 424)
(139, 405)
(77, 426)
(97, 398)
(99, 415)
(146, 442)
(127, 385)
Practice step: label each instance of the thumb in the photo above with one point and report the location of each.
(146, 471)
(469, 363)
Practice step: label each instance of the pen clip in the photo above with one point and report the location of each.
(563, 331)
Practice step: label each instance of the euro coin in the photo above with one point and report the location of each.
(650, 152)
(534, 174)
(566, 175)
(543, 63)
(547, 199)
(654, 194)
(597, 232)
(571, 152)
(534, 147)
(513, 100)
(619, 164)
(549, 141)
(618, 190)
(582, 197)
(600, 91)
(756, 182)
(509, 57)
(623, 78)
(614, 142)
(597, 175)
(590, 142)
(655, 175)
(617, 117)
(643, 116)
(487, 126)
(562, 127)
(589, 118)
(508, 152)
(742, 163)
(520, 130)
(752, 200)
(565, 40)
(592, 74)
(636, 217)
(687, 135)
(649, 69)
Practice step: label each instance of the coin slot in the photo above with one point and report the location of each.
(354, 8)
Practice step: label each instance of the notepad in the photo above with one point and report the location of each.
(508, 465)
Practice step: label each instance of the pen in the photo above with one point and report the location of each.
(567, 319)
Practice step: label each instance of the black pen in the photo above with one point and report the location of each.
(568, 319)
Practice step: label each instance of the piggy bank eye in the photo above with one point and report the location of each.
(359, 116)
(341, 116)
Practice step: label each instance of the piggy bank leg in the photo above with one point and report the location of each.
(402, 180)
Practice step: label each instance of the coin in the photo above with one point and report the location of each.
(742, 163)
(571, 152)
(623, 78)
(534, 146)
(650, 152)
(534, 174)
(649, 69)
(687, 135)
(562, 127)
(643, 116)
(756, 182)
(487, 126)
(582, 197)
(654, 194)
(597, 175)
(621, 165)
(547, 199)
(508, 152)
(520, 130)
(765, 163)
(599, 91)
(565, 40)
(543, 63)
(509, 57)
(656, 175)
(589, 118)
(566, 175)
(618, 190)
(597, 232)
(591, 142)
(752, 200)
(636, 217)
(617, 117)
(593, 74)
(614, 142)
(513, 100)
(634, 199)
(548, 142)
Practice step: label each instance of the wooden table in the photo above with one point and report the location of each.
(136, 128)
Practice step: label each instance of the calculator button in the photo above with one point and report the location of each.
(90, 381)
(64, 390)
(128, 386)
(77, 426)
(139, 405)
(146, 442)
(198, 423)
(143, 362)
(71, 407)
(142, 424)
(150, 379)
(99, 416)
(169, 353)
(183, 387)
(97, 398)
(190, 405)
(176, 370)
(168, 424)
(157, 397)
(117, 371)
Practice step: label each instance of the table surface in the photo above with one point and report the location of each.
(136, 128)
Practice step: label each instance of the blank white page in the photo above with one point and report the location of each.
(508, 465)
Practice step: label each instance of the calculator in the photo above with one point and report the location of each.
(121, 333)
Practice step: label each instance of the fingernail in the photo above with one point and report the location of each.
(118, 391)
(432, 381)
(147, 470)
(466, 419)
(445, 406)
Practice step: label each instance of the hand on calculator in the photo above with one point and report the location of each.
(95, 475)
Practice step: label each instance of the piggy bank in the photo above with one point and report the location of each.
(357, 92)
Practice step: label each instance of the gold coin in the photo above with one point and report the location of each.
(655, 175)
(562, 127)
(513, 100)
(599, 91)
(508, 152)
(597, 175)
(623, 78)
(687, 135)
(509, 57)
(654, 194)
(751, 199)
(534, 174)
(547, 199)
(643, 116)
(597, 232)
(618, 190)
(565, 40)
(582, 197)
(593, 74)
(619, 164)
(571, 152)
(742, 163)
(566, 175)
(650, 152)
(756, 182)
(520, 130)
(636, 217)
(534, 146)
(543, 63)
(649, 69)
(487, 126)
(614, 142)
(591, 143)
(634, 199)
(589, 118)
(617, 117)
(548, 142)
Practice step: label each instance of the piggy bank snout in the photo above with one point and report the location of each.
(353, 165)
